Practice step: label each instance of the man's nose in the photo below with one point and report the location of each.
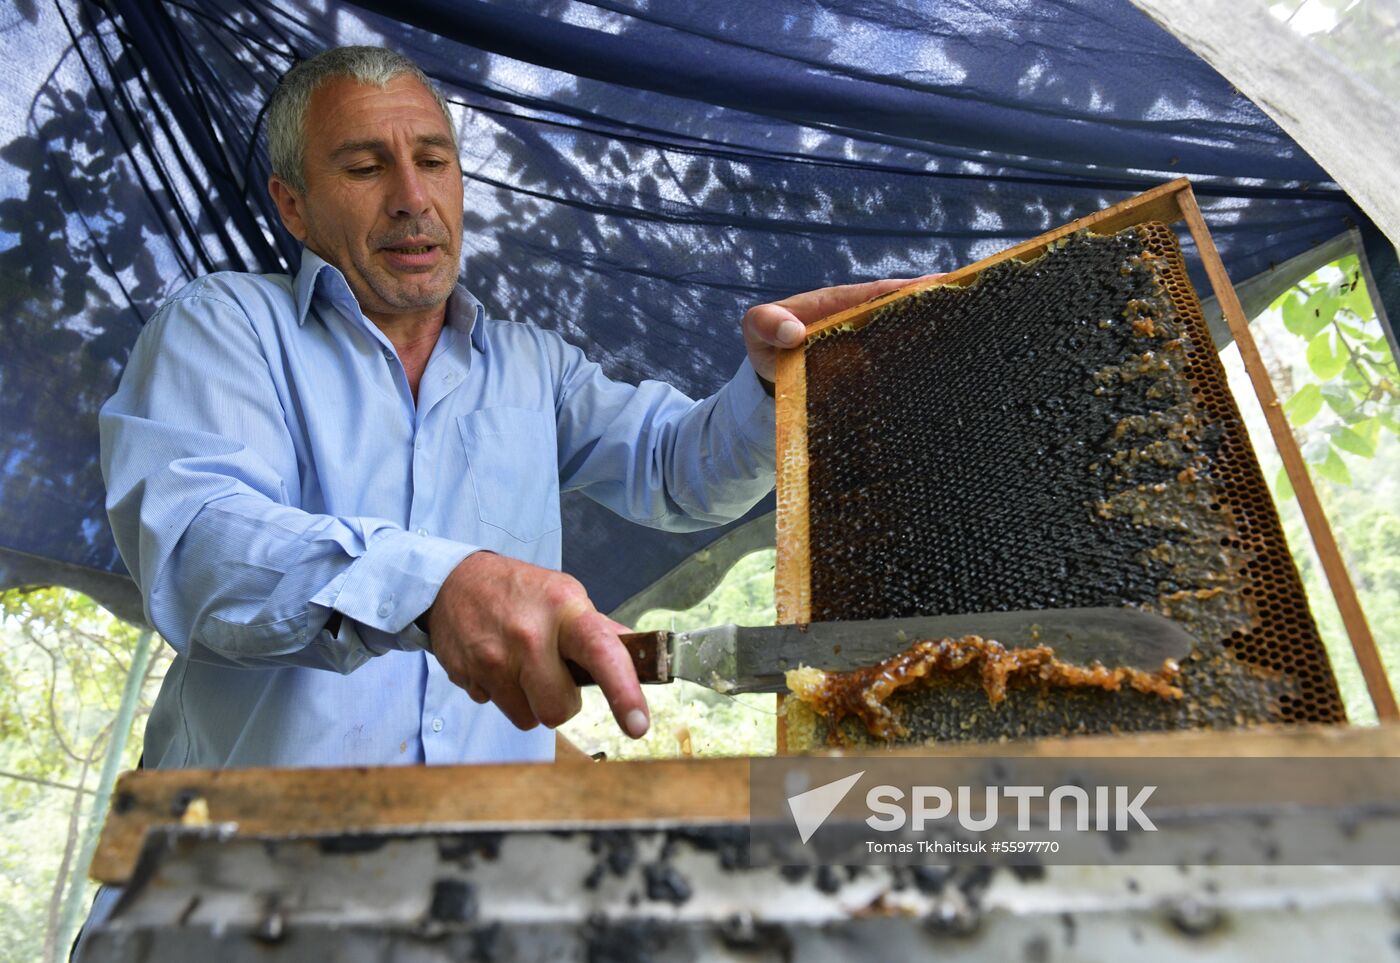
(408, 195)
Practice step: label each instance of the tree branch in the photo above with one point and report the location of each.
(65, 866)
(49, 695)
(1355, 358)
(43, 782)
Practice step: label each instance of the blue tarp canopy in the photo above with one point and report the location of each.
(637, 174)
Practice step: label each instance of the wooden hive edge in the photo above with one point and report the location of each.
(292, 803)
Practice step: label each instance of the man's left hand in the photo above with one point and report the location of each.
(783, 324)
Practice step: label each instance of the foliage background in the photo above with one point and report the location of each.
(63, 664)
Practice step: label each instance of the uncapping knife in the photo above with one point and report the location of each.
(736, 658)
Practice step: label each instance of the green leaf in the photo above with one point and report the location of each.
(1304, 318)
(1304, 405)
(1389, 422)
(1369, 429)
(1294, 319)
(1355, 380)
(1358, 302)
(1283, 488)
(1315, 447)
(1333, 468)
(1324, 358)
(1322, 306)
(1339, 398)
(1348, 440)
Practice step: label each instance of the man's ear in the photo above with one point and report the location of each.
(289, 205)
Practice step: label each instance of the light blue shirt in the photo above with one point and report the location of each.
(267, 465)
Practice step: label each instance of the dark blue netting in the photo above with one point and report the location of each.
(637, 175)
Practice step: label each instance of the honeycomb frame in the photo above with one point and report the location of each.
(1278, 590)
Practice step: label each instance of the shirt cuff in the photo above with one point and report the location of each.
(392, 583)
(752, 408)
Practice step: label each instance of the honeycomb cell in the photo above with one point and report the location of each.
(1053, 434)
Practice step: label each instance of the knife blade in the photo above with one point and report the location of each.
(735, 658)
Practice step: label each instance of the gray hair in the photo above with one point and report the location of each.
(286, 110)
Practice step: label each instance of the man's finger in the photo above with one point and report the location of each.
(553, 696)
(512, 702)
(815, 305)
(591, 641)
(775, 324)
(783, 324)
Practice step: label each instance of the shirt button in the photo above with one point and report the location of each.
(437, 725)
(422, 531)
(384, 610)
(388, 354)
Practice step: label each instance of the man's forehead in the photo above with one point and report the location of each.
(344, 109)
(360, 145)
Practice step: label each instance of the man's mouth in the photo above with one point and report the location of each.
(413, 257)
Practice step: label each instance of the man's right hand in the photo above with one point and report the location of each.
(502, 629)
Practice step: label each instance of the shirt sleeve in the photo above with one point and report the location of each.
(653, 455)
(199, 464)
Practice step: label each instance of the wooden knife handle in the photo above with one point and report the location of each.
(650, 655)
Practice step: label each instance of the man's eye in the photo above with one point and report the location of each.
(364, 171)
(433, 163)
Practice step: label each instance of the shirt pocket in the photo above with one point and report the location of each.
(511, 453)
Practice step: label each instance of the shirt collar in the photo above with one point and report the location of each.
(318, 277)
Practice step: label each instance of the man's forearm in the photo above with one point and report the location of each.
(199, 465)
(655, 456)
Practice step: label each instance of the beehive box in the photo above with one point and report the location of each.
(1050, 428)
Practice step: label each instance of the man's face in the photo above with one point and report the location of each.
(383, 199)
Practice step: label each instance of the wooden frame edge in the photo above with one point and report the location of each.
(1157, 204)
(792, 573)
(1363, 643)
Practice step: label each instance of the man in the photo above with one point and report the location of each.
(338, 491)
